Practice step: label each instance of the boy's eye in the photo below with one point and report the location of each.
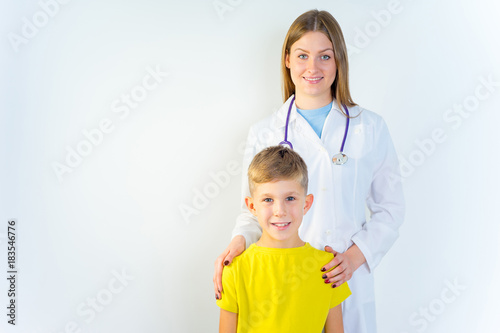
(325, 57)
(268, 200)
(290, 198)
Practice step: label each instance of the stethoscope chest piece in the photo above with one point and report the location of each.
(339, 158)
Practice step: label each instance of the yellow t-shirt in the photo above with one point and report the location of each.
(280, 290)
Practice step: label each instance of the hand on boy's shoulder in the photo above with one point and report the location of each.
(339, 269)
(235, 248)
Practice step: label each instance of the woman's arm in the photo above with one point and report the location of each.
(386, 203)
(235, 248)
(228, 321)
(334, 323)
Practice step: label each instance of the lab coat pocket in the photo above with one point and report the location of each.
(359, 141)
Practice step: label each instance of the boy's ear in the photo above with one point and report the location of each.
(308, 203)
(250, 205)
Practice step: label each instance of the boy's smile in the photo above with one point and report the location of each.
(281, 226)
(279, 206)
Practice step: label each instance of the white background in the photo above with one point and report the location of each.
(118, 212)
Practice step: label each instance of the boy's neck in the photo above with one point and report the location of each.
(267, 241)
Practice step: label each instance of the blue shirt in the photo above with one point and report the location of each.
(316, 118)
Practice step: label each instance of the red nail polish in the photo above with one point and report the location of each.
(334, 286)
(323, 269)
(324, 276)
(216, 296)
(327, 281)
(226, 262)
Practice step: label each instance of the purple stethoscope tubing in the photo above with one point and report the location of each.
(346, 128)
(286, 142)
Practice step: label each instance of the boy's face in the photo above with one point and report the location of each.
(279, 206)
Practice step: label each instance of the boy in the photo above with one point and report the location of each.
(273, 286)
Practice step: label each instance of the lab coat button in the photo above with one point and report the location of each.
(328, 232)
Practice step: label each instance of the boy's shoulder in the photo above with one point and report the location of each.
(319, 254)
(238, 260)
(307, 252)
(246, 255)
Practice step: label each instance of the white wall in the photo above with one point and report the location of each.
(117, 211)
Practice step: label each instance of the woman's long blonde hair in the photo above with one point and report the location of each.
(322, 21)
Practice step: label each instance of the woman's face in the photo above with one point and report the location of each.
(312, 65)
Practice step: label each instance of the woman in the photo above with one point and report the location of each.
(351, 160)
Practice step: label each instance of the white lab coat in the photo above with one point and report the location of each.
(370, 178)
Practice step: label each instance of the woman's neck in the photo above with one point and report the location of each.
(308, 102)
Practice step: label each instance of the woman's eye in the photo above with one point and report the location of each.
(325, 57)
(303, 56)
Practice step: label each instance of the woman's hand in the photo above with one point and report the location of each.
(235, 248)
(345, 265)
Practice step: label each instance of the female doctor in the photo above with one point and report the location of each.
(351, 160)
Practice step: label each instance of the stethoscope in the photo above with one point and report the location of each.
(337, 159)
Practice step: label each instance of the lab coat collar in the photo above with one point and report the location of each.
(280, 120)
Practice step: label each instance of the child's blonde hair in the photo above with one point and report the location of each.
(277, 163)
